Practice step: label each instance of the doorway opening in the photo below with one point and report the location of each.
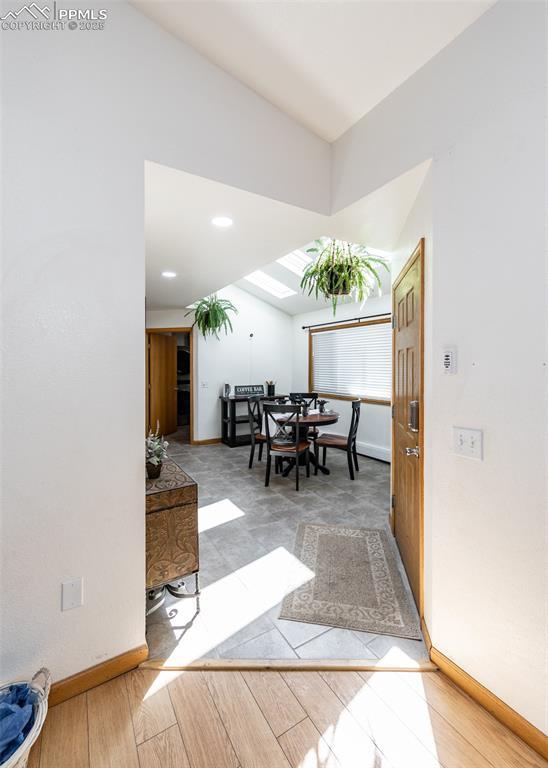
(169, 372)
(254, 540)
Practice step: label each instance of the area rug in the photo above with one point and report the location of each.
(358, 582)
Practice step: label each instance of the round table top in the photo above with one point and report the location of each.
(317, 419)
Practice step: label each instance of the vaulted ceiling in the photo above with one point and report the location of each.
(181, 238)
(326, 64)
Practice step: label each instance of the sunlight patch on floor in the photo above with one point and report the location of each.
(218, 513)
(160, 681)
(231, 603)
(319, 757)
(351, 745)
(396, 657)
(389, 733)
(401, 691)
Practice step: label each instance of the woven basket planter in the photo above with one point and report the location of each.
(41, 684)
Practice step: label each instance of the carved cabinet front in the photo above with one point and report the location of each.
(171, 526)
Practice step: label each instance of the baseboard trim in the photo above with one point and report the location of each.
(100, 673)
(209, 441)
(374, 451)
(289, 665)
(515, 722)
(426, 635)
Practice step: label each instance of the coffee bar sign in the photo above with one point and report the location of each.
(248, 389)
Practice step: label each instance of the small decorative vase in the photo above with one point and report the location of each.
(322, 404)
(153, 470)
(270, 390)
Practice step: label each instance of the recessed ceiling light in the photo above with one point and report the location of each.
(222, 221)
(296, 262)
(270, 285)
(169, 275)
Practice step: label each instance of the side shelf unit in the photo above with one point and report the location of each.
(231, 416)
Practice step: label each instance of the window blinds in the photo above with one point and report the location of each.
(354, 361)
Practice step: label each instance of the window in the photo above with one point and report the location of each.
(270, 285)
(296, 262)
(353, 361)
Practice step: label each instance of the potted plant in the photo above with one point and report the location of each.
(155, 453)
(211, 315)
(341, 269)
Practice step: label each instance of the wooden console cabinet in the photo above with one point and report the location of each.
(171, 526)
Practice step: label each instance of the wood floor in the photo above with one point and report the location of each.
(265, 719)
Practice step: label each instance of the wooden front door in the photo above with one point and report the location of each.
(407, 433)
(162, 379)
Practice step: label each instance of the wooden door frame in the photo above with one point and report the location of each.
(188, 330)
(418, 253)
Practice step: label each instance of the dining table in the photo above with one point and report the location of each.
(313, 420)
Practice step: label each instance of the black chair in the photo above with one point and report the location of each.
(255, 427)
(341, 442)
(284, 439)
(310, 398)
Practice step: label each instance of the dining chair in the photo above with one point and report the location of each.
(311, 400)
(283, 438)
(341, 442)
(255, 427)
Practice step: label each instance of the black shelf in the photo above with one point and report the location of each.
(229, 420)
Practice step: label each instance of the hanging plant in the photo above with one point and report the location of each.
(341, 270)
(211, 315)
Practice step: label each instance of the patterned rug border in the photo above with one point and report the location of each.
(410, 617)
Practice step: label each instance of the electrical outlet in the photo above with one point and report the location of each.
(72, 593)
(468, 442)
(204, 384)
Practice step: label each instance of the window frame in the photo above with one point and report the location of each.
(335, 327)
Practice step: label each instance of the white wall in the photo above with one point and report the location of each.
(374, 433)
(81, 111)
(235, 358)
(481, 103)
(80, 114)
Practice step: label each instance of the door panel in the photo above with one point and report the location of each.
(162, 370)
(407, 469)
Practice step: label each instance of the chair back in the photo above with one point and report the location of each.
(310, 398)
(254, 413)
(354, 421)
(282, 424)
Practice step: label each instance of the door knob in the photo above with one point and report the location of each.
(412, 451)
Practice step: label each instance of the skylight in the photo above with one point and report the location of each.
(296, 262)
(270, 285)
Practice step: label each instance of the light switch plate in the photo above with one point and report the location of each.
(72, 594)
(468, 442)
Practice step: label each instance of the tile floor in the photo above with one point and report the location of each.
(247, 535)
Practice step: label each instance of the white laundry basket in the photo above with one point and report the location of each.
(41, 684)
